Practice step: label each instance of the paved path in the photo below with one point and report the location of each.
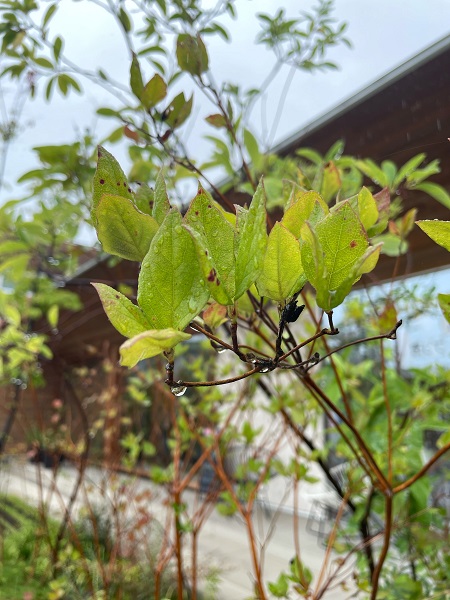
(223, 543)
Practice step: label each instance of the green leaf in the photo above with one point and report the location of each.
(191, 54)
(57, 47)
(107, 112)
(252, 148)
(171, 290)
(12, 247)
(45, 64)
(49, 14)
(282, 274)
(393, 245)
(216, 120)
(213, 236)
(250, 243)
(331, 182)
(310, 155)
(444, 303)
(161, 205)
(108, 179)
(307, 206)
(122, 229)
(178, 111)
(144, 199)
(373, 172)
(126, 317)
(53, 316)
(407, 169)
(125, 20)
(435, 191)
(136, 82)
(280, 587)
(439, 231)
(367, 208)
(332, 251)
(154, 91)
(148, 344)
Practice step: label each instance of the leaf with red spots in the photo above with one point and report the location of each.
(335, 253)
(108, 179)
(127, 318)
(122, 229)
(215, 315)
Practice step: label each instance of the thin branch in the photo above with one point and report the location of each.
(406, 484)
(217, 382)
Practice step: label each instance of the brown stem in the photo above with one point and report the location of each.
(305, 343)
(385, 548)
(385, 336)
(388, 412)
(406, 484)
(219, 381)
(311, 384)
(177, 501)
(81, 471)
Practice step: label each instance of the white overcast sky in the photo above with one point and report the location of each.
(384, 33)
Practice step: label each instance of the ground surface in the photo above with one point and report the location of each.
(223, 544)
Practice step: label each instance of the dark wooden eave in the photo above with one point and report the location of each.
(404, 113)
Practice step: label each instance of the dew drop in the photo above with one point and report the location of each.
(264, 370)
(178, 390)
(178, 229)
(192, 303)
(221, 350)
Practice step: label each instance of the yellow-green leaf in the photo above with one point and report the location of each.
(171, 289)
(250, 243)
(439, 231)
(444, 303)
(367, 208)
(282, 274)
(53, 316)
(122, 229)
(161, 204)
(108, 179)
(213, 236)
(148, 344)
(307, 206)
(136, 82)
(126, 317)
(154, 91)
